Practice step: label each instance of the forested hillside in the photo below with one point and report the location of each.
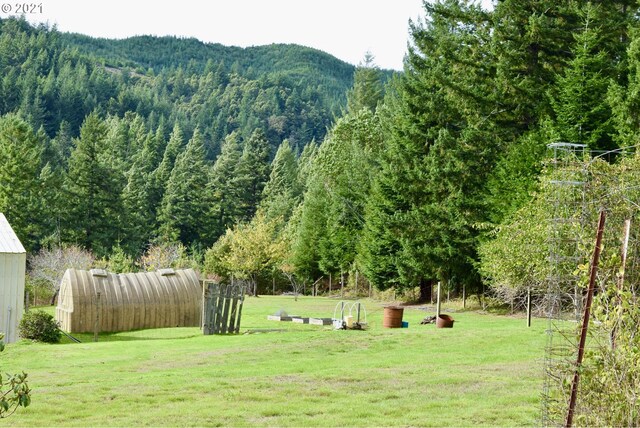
(94, 132)
(288, 91)
(144, 53)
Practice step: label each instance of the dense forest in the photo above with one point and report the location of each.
(92, 130)
(281, 161)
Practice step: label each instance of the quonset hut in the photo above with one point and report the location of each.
(128, 301)
(13, 259)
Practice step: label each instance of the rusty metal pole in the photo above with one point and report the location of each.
(623, 265)
(585, 319)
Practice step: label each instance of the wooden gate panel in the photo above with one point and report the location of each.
(222, 307)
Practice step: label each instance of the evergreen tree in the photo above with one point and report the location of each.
(51, 181)
(139, 214)
(252, 173)
(624, 99)
(530, 45)
(428, 197)
(582, 114)
(183, 212)
(93, 206)
(554, 59)
(305, 229)
(530, 41)
(20, 189)
(225, 189)
(305, 161)
(283, 191)
(59, 150)
(331, 217)
(367, 89)
(160, 176)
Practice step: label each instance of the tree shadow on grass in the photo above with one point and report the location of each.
(133, 335)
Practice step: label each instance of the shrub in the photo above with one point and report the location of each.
(40, 326)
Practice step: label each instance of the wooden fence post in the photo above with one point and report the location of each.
(529, 307)
(464, 296)
(623, 265)
(438, 302)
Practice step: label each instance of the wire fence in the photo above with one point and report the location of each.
(581, 184)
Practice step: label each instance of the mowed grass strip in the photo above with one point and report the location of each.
(484, 371)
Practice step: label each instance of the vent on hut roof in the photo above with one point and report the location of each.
(166, 272)
(99, 272)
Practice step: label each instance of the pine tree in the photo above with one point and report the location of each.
(252, 173)
(183, 213)
(20, 189)
(332, 215)
(582, 114)
(160, 176)
(225, 189)
(139, 214)
(367, 89)
(305, 229)
(283, 191)
(51, 183)
(530, 42)
(60, 147)
(93, 206)
(624, 97)
(427, 199)
(542, 50)
(305, 161)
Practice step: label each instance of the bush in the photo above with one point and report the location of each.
(40, 326)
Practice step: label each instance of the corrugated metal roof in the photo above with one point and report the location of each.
(9, 242)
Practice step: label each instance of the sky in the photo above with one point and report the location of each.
(347, 29)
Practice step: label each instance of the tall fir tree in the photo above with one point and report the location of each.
(93, 208)
(20, 185)
(579, 98)
(183, 212)
(225, 189)
(160, 176)
(60, 147)
(332, 214)
(283, 191)
(530, 45)
(367, 90)
(624, 97)
(542, 50)
(252, 173)
(427, 200)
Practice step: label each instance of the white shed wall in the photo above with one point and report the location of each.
(13, 260)
(12, 269)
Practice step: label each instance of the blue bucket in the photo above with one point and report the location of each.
(405, 324)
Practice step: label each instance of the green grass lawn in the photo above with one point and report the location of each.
(484, 371)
